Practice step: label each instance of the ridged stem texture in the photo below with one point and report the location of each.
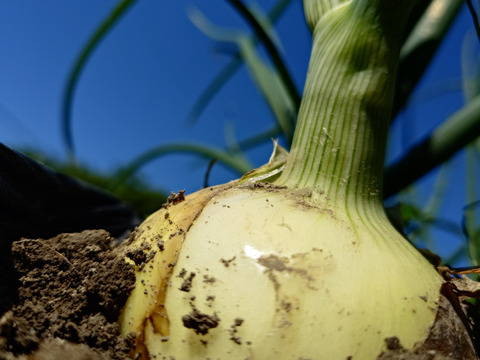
(339, 144)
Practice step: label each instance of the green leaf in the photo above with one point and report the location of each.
(451, 136)
(470, 68)
(87, 51)
(235, 161)
(260, 138)
(471, 215)
(421, 45)
(472, 231)
(264, 32)
(268, 81)
(227, 72)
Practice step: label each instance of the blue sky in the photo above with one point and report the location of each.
(138, 87)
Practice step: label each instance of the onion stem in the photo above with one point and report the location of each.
(339, 144)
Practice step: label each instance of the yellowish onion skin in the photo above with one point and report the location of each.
(266, 272)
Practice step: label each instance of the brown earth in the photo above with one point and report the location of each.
(71, 290)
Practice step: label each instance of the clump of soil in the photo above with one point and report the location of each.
(201, 323)
(71, 291)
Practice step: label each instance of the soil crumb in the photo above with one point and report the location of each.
(227, 262)
(140, 256)
(234, 329)
(199, 322)
(72, 288)
(187, 283)
(174, 199)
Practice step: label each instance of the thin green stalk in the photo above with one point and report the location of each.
(234, 161)
(213, 88)
(260, 138)
(417, 12)
(266, 79)
(271, 50)
(471, 217)
(227, 72)
(473, 12)
(428, 215)
(78, 67)
(421, 45)
(451, 136)
(440, 188)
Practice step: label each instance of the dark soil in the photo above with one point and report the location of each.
(71, 290)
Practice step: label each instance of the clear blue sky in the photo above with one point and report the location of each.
(138, 87)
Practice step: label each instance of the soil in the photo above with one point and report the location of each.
(71, 290)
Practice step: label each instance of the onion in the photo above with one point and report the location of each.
(297, 259)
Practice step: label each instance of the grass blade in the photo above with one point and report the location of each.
(471, 213)
(260, 138)
(234, 161)
(473, 12)
(213, 88)
(420, 46)
(79, 65)
(417, 12)
(227, 72)
(263, 34)
(268, 81)
(453, 135)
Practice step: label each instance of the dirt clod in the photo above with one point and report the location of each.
(72, 288)
(187, 283)
(233, 331)
(141, 255)
(161, 245)
(200, 322)
(227, 262)
(174, 199)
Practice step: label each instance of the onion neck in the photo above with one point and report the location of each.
(339, 143)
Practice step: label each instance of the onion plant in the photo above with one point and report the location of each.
(296, 259)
